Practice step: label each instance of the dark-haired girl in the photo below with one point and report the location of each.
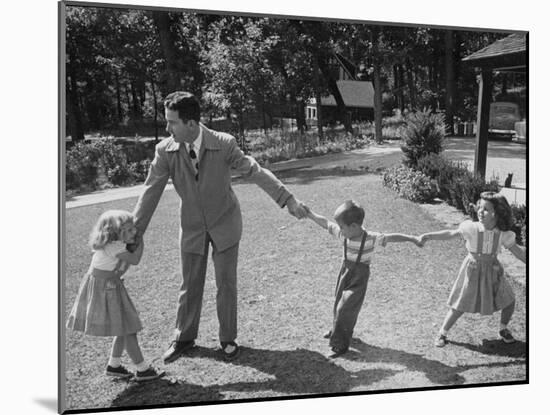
(481, 286)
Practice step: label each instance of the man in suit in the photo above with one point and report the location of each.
(199, 162)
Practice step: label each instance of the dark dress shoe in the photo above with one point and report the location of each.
(176, 350)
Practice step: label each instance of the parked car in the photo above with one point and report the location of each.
(520, 128)
(502, 119)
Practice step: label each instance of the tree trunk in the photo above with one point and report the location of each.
(377, 88)
(167, 42)
(155, 109)
(264, 121)
(317, 80)
(321, 133)
(135, 103)
(241, 140)
(128, 100)
(75, 124)
(118, 99)
(300, 116)
(450, 79)
(410, 82)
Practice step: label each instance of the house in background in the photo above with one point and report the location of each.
(358, 96)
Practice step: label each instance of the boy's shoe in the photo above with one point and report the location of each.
(119, 372)
(230, 350)
(336, 351)
(506, 336)
(440, 341)
(328, 334)
(149, 374)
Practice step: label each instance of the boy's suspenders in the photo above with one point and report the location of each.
(346, 258)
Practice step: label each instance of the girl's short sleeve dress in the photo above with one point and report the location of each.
(102, 306)
(481, 286)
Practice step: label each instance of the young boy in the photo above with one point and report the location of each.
(352, 282)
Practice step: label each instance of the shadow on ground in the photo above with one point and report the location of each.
(437, 372)
(303, 372)
(496, 348)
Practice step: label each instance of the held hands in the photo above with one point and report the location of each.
(422, 239)
(418, 241)
(137, 241)
(297, 208)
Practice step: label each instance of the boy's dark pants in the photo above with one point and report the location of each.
(350, 293)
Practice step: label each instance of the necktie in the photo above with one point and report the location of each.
(194, 160)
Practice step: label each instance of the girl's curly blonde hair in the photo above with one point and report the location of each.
(107, 227)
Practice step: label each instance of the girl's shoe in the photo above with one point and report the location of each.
(506, 336)
(440, 341)
(149, 374)
(119, 372)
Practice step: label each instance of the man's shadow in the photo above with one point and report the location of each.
(297, 373)
(294, 372)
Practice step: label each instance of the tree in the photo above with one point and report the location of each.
(171, 78)
(236, 68)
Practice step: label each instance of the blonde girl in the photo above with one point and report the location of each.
(481, 286)
(103, 306)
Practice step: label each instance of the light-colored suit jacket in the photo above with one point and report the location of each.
(208, 205)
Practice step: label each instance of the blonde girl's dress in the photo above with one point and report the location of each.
(103, 306)
(481, 286)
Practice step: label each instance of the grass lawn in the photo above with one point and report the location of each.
(287, 274)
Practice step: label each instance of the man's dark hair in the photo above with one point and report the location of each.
(185, 103)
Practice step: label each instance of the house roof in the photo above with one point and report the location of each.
(356, 94)
(510, 51)
(347, 65)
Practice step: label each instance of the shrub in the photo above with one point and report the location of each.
(423, 134)
(432, 165)
(410, 184)
(139, 151)
(465, 189)
(140, 169)
(520, 223)
(456, 184)
(114, 161)
(85, 161)
(81, 165)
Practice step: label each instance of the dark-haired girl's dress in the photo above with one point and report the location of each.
(481, 286)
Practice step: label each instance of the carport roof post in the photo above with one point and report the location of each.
(507, 54)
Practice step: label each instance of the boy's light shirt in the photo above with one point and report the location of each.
(373, 241)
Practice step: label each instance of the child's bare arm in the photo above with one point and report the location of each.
(440, 235)
(401, 237)
(518, 252)
(135, 256)
(318, 219)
